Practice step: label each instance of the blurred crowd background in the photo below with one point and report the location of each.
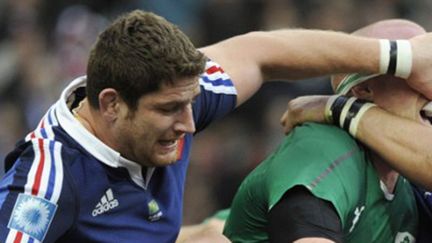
(44, 44)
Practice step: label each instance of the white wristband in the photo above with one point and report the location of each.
(345, 110)
(404, 59)
(395, 58)
(327, 111)
(356, 120)
(384, 55)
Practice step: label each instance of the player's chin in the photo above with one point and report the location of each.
(165, 159)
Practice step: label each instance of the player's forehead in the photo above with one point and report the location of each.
(181, 91)
(183, 87)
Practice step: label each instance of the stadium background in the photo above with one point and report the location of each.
(45, 43)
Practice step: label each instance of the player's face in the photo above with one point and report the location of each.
(395, 96)
(151, 134)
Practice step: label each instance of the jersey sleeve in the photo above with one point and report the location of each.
(217, 98)
(36, 200)
(299, 214)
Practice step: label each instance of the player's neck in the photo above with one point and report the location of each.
(385, 173)
(83, 115)
(92, 122)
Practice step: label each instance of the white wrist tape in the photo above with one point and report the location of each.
(384, 55)
(345, 110)
(404, 59)
(356, 120)
(395, 58)
(328, 114)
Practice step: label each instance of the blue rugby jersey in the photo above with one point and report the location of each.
(65, 185)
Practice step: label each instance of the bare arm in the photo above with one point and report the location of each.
(291, 54)
(297, 54)
(406, 145)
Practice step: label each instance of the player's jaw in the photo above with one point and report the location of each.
(165, 150)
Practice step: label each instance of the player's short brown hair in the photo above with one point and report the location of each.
(138, 53)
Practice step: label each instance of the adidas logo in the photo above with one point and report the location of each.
(106, 203)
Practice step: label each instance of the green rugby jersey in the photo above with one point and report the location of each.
(334, 167)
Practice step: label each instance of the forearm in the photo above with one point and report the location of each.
(251, 58)
(298, 54)
(406, 145)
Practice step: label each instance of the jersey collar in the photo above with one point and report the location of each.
(91, 143)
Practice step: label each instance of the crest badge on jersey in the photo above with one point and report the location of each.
(154, 211)
(32, 215)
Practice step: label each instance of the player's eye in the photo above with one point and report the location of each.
(170, 108)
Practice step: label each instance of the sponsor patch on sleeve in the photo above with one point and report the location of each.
(32, 215)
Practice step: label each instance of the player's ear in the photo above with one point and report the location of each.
(109, 104)
(363, 91)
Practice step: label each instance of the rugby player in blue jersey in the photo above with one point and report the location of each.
(107, 163)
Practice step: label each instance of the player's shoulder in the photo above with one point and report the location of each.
(315, 146)
(216, 80)
(322, 135)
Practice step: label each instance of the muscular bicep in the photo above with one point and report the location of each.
(241, 59)
(301, 217)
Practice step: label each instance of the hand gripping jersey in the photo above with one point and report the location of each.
(332, 166)
(65, 185)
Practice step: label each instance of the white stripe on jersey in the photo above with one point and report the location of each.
(48, 127)
(43, 187)
(217, 75)
(218, 89)
(58, 183)
(32, 173)
(25, 238)
(11, 236)
(52, 113)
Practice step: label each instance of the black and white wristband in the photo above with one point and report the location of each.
(395, 57)
(346, 112)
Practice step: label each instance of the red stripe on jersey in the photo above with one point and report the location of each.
(32, 135)
(39, 170)
(214, 69)
(18, 237)
(180, 148)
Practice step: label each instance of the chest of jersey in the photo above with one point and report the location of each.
(107, 198)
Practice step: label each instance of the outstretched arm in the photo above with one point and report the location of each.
(297, 54)
(403, 143)
(291, 54)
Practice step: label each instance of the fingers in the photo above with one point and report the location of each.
(303, 109)
(287, 119)
(285, 122)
